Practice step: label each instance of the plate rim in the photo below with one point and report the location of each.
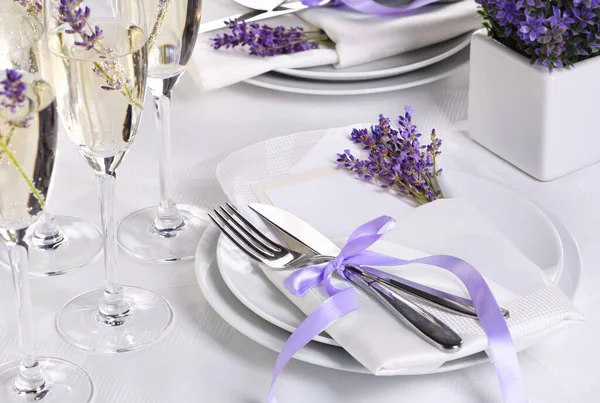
(454, 62)
(462, 40)
(244, 300)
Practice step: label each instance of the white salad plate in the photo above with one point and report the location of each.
(388, 67)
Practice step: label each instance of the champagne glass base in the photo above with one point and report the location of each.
(81, 245)
(65, 383)
(139, 238)
(147, 320)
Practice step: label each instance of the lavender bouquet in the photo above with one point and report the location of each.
(397, 160)
(552, 33)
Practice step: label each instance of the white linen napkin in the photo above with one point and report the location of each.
(336, 204)
(455, 227)
(359, 38)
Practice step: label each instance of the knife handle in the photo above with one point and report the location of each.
(448, 302)
(426, 325)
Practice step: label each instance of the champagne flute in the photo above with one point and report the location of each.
(59, 244)
(28, 134)
(99, 54)
(169, 232)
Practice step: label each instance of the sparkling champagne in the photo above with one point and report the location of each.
(100, 91)
(28, 135)
(173, 28)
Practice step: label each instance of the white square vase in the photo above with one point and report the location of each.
(546, 124)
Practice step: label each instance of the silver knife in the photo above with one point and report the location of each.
(426, 325)
(257, 15)
(303, 234)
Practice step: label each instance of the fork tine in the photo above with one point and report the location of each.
(246, 226)
(233, 226)
(239, 243)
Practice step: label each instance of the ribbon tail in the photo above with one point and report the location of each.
(336, 307)
(501, 345)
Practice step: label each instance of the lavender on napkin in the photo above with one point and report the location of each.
(268, 41)
(397, 160)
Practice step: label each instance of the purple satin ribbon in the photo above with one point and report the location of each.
(372, 7)
(343, 301)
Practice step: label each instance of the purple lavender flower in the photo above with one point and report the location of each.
(72, 13)
(532, 29)
(396, 159)
(268, 41)
(32, 7)
(14, 90)
(553, 33)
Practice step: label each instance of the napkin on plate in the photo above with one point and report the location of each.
(359, 38)
(378, 341)
(336, 203)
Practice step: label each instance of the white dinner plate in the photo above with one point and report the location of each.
(434, 72)
(518, 219)
(242, 319)
(388, 67)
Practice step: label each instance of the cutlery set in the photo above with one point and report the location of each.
(399, 296)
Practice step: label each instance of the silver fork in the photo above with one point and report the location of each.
(275, 256)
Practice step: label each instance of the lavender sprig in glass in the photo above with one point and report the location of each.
(268, 41)
(32, 7)
(397, 160)
(73, 13)
(15, 114)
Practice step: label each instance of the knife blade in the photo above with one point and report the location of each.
(294, 228)
(426, 325)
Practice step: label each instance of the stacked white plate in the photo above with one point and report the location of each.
(238, 290)
(411, 69)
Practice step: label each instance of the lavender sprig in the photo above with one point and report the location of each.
(72, 12)
(14, 90)
(32, 7)
(397, 161)
(551, 33)
(15, 103)
(159, 19)
(268, 41)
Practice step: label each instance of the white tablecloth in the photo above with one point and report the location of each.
(203, 359)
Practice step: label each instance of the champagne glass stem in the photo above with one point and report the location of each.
(113, 307)
(30, 378)
(47, 234)
(168, 217)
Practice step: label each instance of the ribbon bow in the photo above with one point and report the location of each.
(354, 252)
(343, 301)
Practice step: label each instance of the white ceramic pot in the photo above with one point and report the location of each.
(544, 123)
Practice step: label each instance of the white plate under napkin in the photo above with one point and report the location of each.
(544, 309)
(517, 218)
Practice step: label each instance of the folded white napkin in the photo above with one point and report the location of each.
(336, 203)
(359, 38)
(377, 339)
